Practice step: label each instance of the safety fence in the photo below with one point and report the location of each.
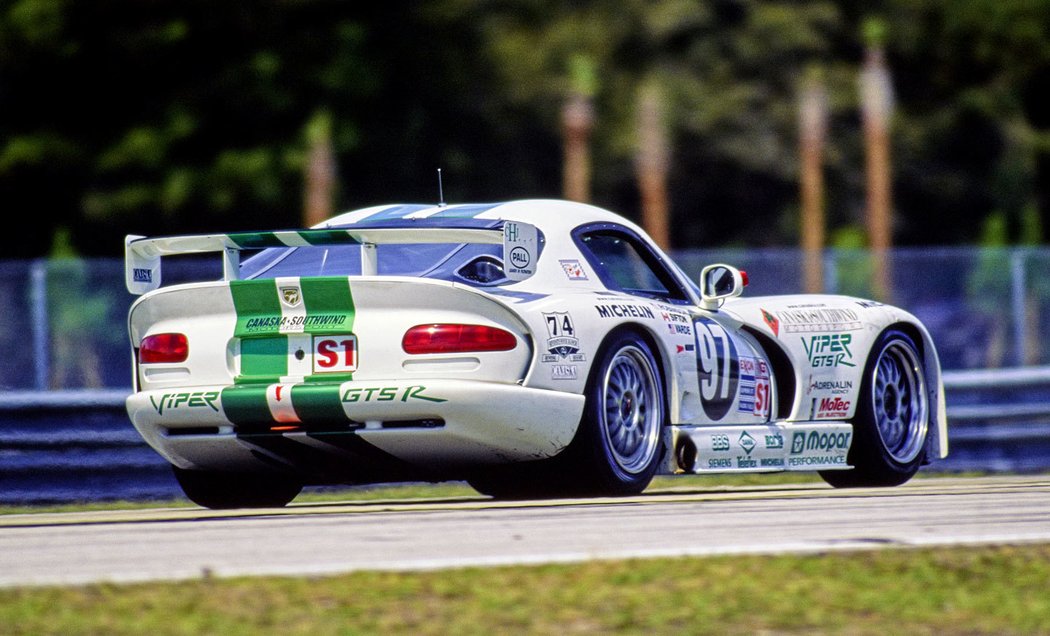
(69, 446)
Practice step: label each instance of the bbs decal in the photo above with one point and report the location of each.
(717, 367)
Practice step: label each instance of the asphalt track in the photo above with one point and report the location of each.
(330, 538)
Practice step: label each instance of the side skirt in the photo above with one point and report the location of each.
(766, 448)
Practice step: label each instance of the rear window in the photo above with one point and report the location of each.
(477, 264)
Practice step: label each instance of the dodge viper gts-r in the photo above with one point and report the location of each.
(530, 348)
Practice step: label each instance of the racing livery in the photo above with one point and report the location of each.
(531, 348)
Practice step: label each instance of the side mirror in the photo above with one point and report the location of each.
(718, 282)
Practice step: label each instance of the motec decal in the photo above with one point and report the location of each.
(717, 366)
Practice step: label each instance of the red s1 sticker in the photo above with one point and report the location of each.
(335, 354)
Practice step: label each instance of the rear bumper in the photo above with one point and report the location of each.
(324, 428)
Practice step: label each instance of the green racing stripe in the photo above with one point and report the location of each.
(263, 322)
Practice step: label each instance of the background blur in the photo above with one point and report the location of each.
(896, 150)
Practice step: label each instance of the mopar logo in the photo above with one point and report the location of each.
(519, 257)
(142, 275)
(815, 440)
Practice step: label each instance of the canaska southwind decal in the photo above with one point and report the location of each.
(269, 311)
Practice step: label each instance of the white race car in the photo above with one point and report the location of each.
(531, 348)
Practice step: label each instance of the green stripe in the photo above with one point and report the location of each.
(257, 306)
(263, 359)
(246, 405)
(328, 237)
(318, 403)
(329, 304)
(255, 240)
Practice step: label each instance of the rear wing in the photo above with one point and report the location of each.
(142, 255)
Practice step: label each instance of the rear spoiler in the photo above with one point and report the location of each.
(142, 255)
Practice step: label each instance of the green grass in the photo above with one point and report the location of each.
(988, 590)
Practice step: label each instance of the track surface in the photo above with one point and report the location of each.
(171, 544)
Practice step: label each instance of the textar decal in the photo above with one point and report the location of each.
(562, 343)
(717, 366)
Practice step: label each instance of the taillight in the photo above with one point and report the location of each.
(164, 347)
(457, 339)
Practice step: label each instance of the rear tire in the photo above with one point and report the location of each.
(223, 491)
(617, 447)
(891, 424)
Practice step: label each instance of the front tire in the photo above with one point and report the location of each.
(891, 424)
(223, 491)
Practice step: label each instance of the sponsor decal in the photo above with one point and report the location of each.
(192, 399)
(830, 408)
(774, 441)
(519, 257)
(684, 347)
(671, 315)
(563, 372)
(835, 387)
(720, 443)
(624, 311)
(771, 322)
(868, 304)
(754, 387)
(746, 442)
(562, 343)
(829, 350)
(291, 296)
(271, 323)
(717, 367)
(573, 269)
(818, 320)
(334, 354)
(142, 275)
(819, 441)
(387, 394)
(679, 330)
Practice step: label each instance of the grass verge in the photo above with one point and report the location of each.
(987, 590)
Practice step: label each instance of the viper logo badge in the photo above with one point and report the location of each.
(290, 295)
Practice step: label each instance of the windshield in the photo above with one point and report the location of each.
(466, 262)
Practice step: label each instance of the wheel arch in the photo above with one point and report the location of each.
(663, 361)
(937, 439)
(788, 393)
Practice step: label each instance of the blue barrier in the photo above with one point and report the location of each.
(78, 446)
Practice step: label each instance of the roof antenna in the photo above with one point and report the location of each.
(441, 191)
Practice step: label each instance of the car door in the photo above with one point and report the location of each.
(721, 376)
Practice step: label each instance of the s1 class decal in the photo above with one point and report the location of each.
(717, 367)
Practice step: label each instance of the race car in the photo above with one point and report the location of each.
(532, 348)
